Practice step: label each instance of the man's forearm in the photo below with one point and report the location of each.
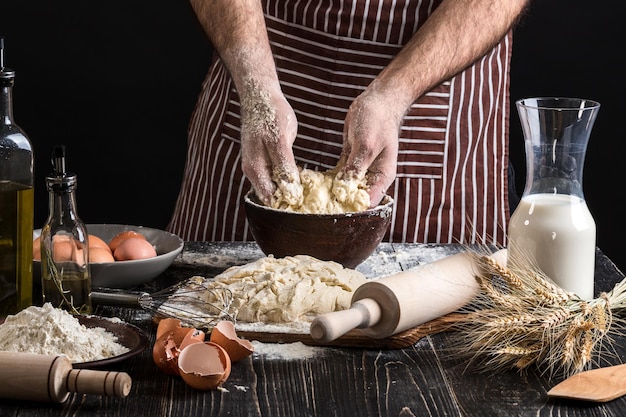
(457, 34)
(236, 29)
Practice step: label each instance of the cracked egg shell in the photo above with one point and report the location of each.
(167, 324)
(204, 366)
(224, 334)
(168, 346)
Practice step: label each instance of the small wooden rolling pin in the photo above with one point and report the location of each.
(392, 304)
(30, 376)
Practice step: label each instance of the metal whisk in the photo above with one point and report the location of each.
(194, 302)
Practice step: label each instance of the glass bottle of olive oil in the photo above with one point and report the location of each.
(16, 203)
(65, 272)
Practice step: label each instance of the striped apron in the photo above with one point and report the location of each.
(451, 184)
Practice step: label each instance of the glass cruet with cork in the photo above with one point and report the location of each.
(16, 203)
(65, 272)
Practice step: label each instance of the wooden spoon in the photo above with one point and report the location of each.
(599, 385)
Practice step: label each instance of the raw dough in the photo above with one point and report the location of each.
(322, 193)
(290, 289)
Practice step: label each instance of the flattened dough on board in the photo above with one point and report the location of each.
(289, 289)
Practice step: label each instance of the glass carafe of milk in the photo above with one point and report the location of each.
(552, 225)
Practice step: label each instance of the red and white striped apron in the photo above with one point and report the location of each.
(451, 185)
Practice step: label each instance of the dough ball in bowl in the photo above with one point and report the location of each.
(346, 238)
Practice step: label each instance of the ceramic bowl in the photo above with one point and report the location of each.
(128, 274)
(347, 238)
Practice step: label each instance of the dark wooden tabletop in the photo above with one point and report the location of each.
(419, 380)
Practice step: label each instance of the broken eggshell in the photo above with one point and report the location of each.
(204, 366)
(224, 334)
(168, 346)
(166, 325)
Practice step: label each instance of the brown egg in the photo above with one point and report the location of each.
(134, 248)
(224, 335)
(122, 236)
(37, 249)
(98, 254)
(204, 366)
(64, 248)
(65, 251)
(96, 242)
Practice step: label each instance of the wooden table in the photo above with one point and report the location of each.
(418, 380)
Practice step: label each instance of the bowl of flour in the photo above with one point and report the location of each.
(88, 341)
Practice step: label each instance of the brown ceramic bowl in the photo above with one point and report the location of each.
(347, 238)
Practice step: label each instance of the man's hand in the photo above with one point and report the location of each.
(370, 143)
(268, 130)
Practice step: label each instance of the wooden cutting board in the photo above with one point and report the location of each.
(357, 338)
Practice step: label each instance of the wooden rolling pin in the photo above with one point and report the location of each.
(30, 376)
(399, 302)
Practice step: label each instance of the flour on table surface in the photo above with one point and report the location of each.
(389, 259)
(297, 327)
(411, 255)
(288, 351)
(220, 257)
(51, 331)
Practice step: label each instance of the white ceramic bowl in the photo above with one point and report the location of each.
(128, 274)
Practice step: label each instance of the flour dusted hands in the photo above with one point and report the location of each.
(370, 143)
(268, 130)
(268, 123)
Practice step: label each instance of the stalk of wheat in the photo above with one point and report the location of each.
(521, 318)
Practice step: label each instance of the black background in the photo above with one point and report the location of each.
(116, 82)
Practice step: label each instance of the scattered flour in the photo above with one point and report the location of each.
(51, 331)
(289, 351)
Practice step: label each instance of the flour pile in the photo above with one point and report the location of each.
(51, 331)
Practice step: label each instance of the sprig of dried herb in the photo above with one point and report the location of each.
(56, 275)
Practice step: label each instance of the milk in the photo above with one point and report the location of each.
(560, 233)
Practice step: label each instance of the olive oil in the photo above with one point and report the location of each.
(71, 293)
(16, 247)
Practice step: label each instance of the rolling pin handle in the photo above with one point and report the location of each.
(109, 383)
(330, 326)
(36, 377)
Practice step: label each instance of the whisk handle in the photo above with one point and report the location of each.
(140, 299)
